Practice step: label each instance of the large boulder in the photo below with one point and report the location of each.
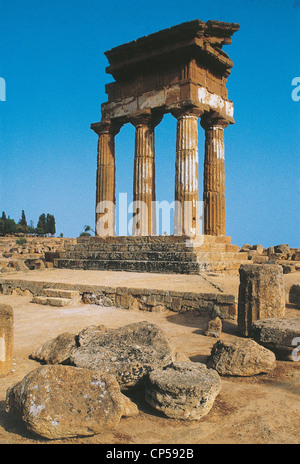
(57, 350)
(183, 390)
(281, 335)
(261, 294)
(243, 357)
(90, 334)
(128, 353)
(64, 401)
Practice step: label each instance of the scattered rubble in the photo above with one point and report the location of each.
(34, 253)
(183, 390)
(241, 358)
(282, 254)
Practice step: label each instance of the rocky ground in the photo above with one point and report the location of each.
(264, 408)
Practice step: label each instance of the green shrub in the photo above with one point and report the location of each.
(21, 241)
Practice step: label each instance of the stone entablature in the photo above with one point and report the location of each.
(181, 65)
(183, 71)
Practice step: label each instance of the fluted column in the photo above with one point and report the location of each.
(105, 180)
(186, 214)
(214, 176)
(144, 220)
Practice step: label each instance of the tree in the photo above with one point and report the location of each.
(50, 224)
(22, 225)
(7, 225)
(23, 220)
(88, 228)
(2, 223)
(10, 226)
(31, 228)
(41, 228)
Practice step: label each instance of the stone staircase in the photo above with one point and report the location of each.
(57, 297)
(160, 254)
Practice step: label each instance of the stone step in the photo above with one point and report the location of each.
(129, 249)
(155, 239)
(60, 293)
(139, 255)
(187, 247)
(216, 266)
(51, 301)
(133, 256)
(170, 267)
(174, 267)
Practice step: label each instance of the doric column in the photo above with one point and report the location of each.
(214, 176)
(105, 180)
(186, 214)
(144, 220)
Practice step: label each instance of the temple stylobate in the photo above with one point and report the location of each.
(183, 71)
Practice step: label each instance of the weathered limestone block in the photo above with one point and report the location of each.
(296, 256)
(214, 328)
(63, 401)
(294, 294)
(183, 390)
(258, 248)
(246, 247)
(281, 335)
(56, 351)
(261, 294)
(240, 358)
(129, 352)
(283, 249)
(89, 334)
(6, 338)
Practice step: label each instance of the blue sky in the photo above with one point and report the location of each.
(52, 60)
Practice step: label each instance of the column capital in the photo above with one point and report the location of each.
(186, 111)
(213, 120)
(145, 118)
(107, 127)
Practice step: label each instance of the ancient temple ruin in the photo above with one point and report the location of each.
(183, 71)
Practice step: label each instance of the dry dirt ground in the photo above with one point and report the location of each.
(256, 410)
